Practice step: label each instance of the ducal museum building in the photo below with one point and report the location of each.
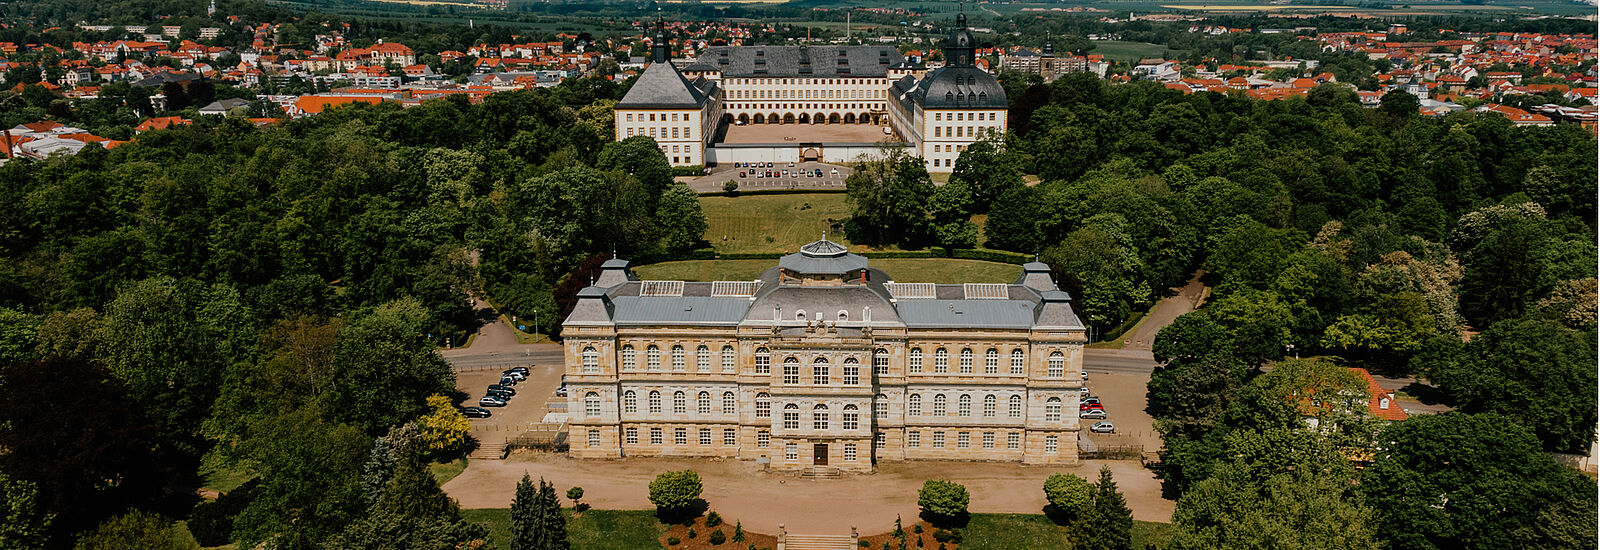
(824, 362)
(769, 90)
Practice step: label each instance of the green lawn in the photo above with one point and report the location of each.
(1132, 52)
(595, 530)
(1009, 531)
(905, 270)
(447, 471)
(772, 223)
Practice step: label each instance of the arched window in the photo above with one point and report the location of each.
(852, 372)
(851, 418)
(964, 406)
(1015, 410)
(1057, 364)
(941, 361)
(728, 358)
(791, 370)
(799, 315)
(702, 403)
(991, 361)
(819, 417)
(1017, 362)
(652, 357)
(591, 405)
(988, 406)
(627, 358)
(702, 359)
(591, 360)
(763, 361)
(880, 406)
(914, 405)
(915, 360)
(791, 417)
(680, 403)
(655, 402)
(763, 405)
(880, 362)
(819, 371)
(677, 359)
(966, 361)
(938, 405)
(630, 402)
(1052, 409)
(730, 405)
(844, 315)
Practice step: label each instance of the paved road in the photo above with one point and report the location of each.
(1118, 361)
(1186, 299)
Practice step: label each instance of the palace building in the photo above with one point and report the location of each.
(794, 103)
(824, 362)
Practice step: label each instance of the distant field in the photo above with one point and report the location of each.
(1131, 52)
(772, 223)
(905, 270)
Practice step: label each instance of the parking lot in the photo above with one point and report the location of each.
(1123, 396)
(535, 398)
(800, 176)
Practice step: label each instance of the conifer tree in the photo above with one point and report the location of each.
(554, 534)
(526, 519)
(1110, 525)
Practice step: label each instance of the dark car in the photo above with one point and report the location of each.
(508, 380)
(475, 412)
(491, 401)
(503, 388)
(503, 396)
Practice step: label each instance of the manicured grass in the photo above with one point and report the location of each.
(594, 530)
(222, 477)
(1008, 531)
(1131, 52)
(446, 471)
(771, 223)
(905, 270)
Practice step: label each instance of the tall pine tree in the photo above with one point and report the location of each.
(526, 519)
(554, 534)
(1110, 525)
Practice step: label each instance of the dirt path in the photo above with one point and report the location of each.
(1167, 310)
(740, 491)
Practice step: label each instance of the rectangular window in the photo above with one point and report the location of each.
(880, 409)
(1050, 444)
(763, 408)
(705, 436)
(594, 438)
(819, 375)
(915, 361)
(728, 359)
(763, 439)
(938, 440)
(966, 361)
(1013, 441)
(730, 437)
(852, 375)
(591, 407)
(988, 440)
(791, 452)
(655, 436)
(851, 420)
(880, 364)
(963, 440)
(880, 440)
(941, 362)
(680, 436)
(680, 403)
(791, 419)
(791, 373)
(849, 452)
(763, 363)
(991, 362)
(819, 419)
(728, 403)
(677, 359)
(632, 436)
(913, 439)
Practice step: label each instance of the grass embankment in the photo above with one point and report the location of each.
(772, 223)
(446, 471)
(639, 529)
(904, 270)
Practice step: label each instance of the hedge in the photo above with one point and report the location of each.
(688, 171)
(988, 255)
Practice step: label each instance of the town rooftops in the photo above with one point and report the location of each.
(803, 61)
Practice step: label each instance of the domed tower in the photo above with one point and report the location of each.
(958, 47)
(953, 106)
(660, 52)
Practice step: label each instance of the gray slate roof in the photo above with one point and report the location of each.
(661, 86)
(952, 88)
(809, 61)
(823, 257)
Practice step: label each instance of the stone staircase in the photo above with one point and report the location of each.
(818, 542)
(821, 472)
(489, 451)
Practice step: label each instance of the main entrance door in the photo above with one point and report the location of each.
(810, 154)
(819, 454)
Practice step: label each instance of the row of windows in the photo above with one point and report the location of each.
(951, 148)
(966, 362)
(680, 436)
(651, 117)
(806, 93)
(960, 131)
(791, 452)
(680, 403)
(661, 132)
(807, 107)
(850, 420)
(806, 82)
(961, 116)
(964, 440)
(1052, 406)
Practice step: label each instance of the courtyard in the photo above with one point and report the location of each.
(806, 133)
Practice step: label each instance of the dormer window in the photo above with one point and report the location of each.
(949, 96)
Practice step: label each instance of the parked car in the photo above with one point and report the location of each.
(1104, 427)
(503, 387)
(791, 165)
(503, 396)
(491, 401)
(741, 173)
(514, 373)
(1083, 391)
(835, 171)
(1085, 375)
(561, 391)
(1093, 414)
(523, 370)
(508, 380)
(475, 412)
(1091, 401)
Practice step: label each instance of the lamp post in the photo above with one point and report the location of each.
(1288, 348)
(536, 326)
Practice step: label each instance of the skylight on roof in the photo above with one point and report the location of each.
(986, 291)
(911, 290)
(734, 289)
(661, 288)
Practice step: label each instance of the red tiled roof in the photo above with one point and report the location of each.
(1382, 404)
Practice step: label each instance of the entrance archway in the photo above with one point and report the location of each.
(849, 118)
(864, 118)
(805, 118)
(788, 118)
(744, 119)
(810, 154)
(818, 118)
(833, 118)
(773, 118)
(759, 119)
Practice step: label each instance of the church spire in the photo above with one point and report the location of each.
(659, 51)
(958, 48)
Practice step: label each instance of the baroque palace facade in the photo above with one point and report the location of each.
(824, 362)
(935, 114)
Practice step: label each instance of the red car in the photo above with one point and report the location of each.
(1090, 407)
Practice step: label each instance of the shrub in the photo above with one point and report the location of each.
(886, 546)
(731, 188)
(919, 541)
(675, 491)
(943, 499)
(713, 519)
(691, 532)
(717, 537)
(673, 541)
(864, 543)
(916, 528)
(212, 522)
(941, 535)
(1069, 494)
(738, 532)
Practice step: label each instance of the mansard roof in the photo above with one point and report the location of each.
(661, 86)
